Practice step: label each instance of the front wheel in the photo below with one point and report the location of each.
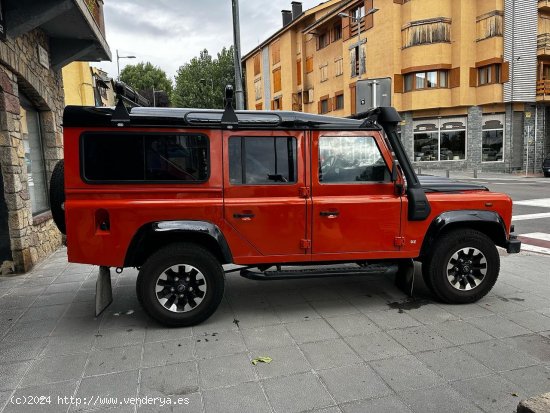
(463, 266)
(180, 285)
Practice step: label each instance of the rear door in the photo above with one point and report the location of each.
(356, 211)
(264, 197)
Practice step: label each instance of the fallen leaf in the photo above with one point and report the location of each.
(266, 360)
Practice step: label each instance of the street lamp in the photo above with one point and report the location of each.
(358, 21)
(118, 61)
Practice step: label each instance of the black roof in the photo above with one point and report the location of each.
(84, 116)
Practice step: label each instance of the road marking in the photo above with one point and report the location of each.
(537, 235)
(534, 248)
(543, 202)
(530, 216)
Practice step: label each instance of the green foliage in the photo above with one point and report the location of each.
(201, 82)
(144, 77)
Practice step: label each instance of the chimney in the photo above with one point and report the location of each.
(287, 17)
(296, 9)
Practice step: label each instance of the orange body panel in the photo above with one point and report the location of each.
(286, 227)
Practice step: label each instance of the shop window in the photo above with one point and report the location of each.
(426, 80)
(492, 149)
(490, 25)
(427, 32)
(262, 160)
(440, 140)
(351, 160)
(34, 156)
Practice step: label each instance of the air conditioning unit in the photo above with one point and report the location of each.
(308, 96)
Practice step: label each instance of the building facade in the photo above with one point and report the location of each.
(85, 85)
(36, 40)
(471, 78)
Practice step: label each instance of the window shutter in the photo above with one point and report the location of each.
(309, 64)
(362, 60)
(346, 28)
(353, 62)
(299, 72)
(319, 107)
(454, 77)
(398, 83)
(353, 97)
(277, 80)
(272, 105)
(473, 77)
(505, 73)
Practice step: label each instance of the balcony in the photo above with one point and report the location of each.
(543, 90)
(75, 28)
(544, 5)
(543, 44)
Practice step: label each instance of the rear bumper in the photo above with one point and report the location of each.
(513, 246)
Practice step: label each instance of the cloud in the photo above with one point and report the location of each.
(169, 33)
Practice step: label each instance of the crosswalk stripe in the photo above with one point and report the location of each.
(543, 202)
(537, 235)
(534, 248)
(530, 216)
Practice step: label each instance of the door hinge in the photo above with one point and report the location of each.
(399, 241)
(305, 192)
(305, 244)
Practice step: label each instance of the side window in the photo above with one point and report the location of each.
(116, 157)
(262, 160)
(353, 159)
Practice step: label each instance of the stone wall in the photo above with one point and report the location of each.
(32, 237)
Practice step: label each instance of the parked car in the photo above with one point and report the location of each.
(546, 166)
(178, 193)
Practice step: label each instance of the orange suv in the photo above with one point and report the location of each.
(178, 193)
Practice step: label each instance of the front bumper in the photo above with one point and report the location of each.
(513, 246)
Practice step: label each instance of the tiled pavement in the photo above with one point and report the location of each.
(338, 345)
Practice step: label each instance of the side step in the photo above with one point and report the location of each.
(317, 272)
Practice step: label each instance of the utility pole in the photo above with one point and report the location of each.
(239, 94)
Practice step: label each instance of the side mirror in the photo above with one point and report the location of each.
(395, 171)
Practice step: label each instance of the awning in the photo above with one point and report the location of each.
(75, 33)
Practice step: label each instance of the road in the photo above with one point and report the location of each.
(531, 212)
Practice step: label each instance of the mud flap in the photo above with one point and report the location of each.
(103, 290)
(404, 278)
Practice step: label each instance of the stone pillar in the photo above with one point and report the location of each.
(529, 139)
(474, 137)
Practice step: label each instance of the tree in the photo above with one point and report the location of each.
(143, 77)
(201, 82)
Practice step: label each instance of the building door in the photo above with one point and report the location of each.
(264, 200)
(356, 210)
(5, 246)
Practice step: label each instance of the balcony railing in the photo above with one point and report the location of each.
(543, 88)
(543, 43)
(96, 9)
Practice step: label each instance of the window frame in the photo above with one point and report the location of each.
(425, 73)
(493, 73)
(82, 165)
(439, 132)
(243, 139)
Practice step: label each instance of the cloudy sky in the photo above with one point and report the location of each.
(169, 33)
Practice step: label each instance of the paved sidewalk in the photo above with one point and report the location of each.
(338, 345)
(469, 174)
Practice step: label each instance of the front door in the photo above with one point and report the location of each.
(264, 198)
(356, 211)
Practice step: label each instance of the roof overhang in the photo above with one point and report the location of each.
(73, 32)
(329, 16)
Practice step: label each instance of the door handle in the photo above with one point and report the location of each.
(330, 214)
(244, 216)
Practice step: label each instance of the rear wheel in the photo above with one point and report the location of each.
(180, 285)
(463, 266)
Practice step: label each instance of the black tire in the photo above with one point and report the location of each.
(466, 242)
(57, 196)
(180, 255)
(426, 275)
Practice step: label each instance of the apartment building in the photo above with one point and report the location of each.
(471, 78)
